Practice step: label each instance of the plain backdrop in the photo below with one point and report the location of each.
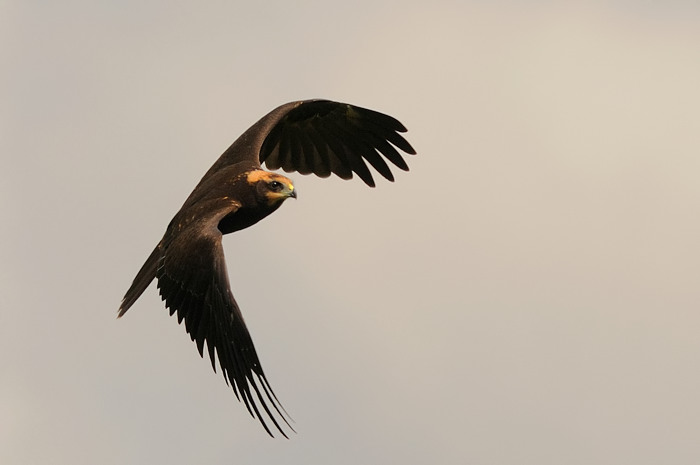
(527, 294)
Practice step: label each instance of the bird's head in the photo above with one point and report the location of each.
(271, 188)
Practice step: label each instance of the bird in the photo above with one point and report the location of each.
(320, 137)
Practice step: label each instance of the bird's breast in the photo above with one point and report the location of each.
(243, 218)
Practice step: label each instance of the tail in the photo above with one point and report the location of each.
(144, 277)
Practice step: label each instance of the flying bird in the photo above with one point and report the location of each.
(310, 136)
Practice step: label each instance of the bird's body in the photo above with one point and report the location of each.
(313, 136)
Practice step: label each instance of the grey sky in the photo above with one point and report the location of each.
(527, 294)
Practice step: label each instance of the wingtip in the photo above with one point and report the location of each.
(121, 311)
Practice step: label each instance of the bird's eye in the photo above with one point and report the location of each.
(275, 186)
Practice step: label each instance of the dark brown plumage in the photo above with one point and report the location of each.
(312, 136)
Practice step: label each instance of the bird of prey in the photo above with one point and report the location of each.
(310, 136)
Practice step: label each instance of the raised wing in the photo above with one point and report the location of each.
(193, 282)
(320, 137)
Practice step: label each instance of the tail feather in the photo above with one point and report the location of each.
(146, 274)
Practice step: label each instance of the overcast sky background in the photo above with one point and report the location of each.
(527, 294)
